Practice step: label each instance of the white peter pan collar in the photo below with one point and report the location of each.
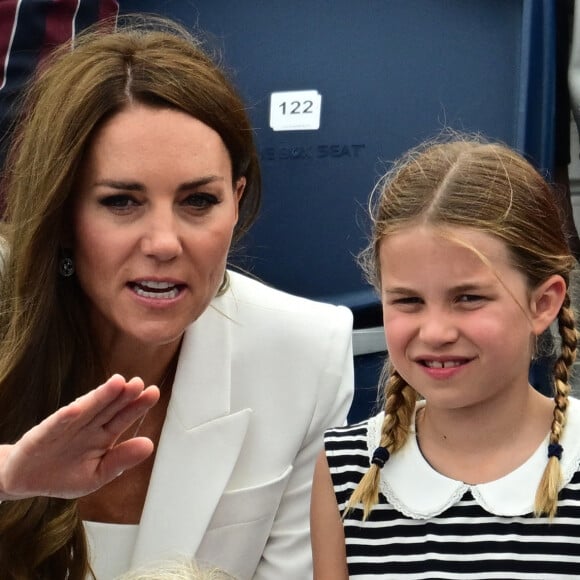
(415, 489)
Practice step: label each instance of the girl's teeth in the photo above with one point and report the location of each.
(434, 364)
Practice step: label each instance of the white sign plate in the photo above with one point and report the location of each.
(295, 111)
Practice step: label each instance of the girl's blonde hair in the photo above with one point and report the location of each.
(176, 569)
(489, 187)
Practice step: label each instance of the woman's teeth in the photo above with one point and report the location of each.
(153, 289)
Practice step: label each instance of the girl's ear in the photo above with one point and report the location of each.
(546, 302)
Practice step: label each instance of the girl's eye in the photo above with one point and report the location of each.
(407, 300)
(201, 200)
(119, 201)
(406, 303)
(470, 298)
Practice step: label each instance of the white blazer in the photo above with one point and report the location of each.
(261, 375)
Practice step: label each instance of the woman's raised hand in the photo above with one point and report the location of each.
(74, 451)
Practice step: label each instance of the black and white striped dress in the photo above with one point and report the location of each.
(427, 526)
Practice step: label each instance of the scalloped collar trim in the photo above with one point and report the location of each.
(415, 489)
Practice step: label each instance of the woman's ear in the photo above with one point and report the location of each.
(546, 302)
(239, 186)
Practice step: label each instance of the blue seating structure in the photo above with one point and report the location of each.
(389, 74)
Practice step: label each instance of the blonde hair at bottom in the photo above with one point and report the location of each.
(180, 568)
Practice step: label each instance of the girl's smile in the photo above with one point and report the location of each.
(443, 368)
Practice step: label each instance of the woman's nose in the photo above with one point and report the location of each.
(162, 240)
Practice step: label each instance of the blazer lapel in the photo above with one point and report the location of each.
(200, 443)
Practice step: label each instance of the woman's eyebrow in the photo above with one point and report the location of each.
(136, 186)
(199, 182)
(121, 185)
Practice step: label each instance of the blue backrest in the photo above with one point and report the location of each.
(390, 73)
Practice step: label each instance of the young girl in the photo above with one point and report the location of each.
(468, 472)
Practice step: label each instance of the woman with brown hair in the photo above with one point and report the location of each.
(132, 172)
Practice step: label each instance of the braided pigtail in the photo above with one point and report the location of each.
(547, 494)
(399, 409)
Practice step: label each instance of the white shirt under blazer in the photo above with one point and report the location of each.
(261, 375)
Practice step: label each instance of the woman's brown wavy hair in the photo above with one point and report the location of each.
(47, 354)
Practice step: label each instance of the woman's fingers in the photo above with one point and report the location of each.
(74, 451)
(100, 404)
(132, 411)
(106, 411)
(124, 456)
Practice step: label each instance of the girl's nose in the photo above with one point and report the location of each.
(438, 328)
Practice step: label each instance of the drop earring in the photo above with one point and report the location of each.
(535, 349)
(66, 267)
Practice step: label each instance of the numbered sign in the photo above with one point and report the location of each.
(295, 111)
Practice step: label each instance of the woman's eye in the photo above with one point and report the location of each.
(201, 200)
(119, 201)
